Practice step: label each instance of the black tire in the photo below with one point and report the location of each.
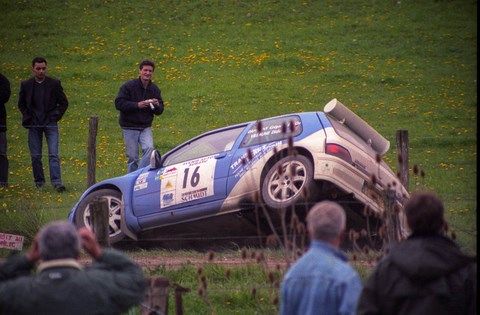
(114, 197)
(281, 188)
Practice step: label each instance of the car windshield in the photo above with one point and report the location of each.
(206, 145)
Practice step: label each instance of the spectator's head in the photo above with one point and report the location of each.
(326, 222)
(146, 70)
(146, 62)
(38, 60)
(58, 240)
(39, 68)
(424, 212)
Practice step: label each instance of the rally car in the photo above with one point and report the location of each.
(275, 163)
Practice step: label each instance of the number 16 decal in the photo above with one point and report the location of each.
(194, 179)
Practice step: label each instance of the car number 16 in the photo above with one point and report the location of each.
(194, 179)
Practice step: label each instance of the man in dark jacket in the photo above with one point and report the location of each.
(42, 102)
(138, 101)
(425, 274)
(111, 285)
(4, 97)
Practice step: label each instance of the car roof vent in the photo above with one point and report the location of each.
(344, 115)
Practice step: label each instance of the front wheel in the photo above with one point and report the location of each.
(83, 217)
(287, 182)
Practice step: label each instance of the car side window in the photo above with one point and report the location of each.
(275, 129)
(209, 144)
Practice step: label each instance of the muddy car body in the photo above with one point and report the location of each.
(276, 163)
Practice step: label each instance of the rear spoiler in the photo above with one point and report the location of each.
(340, 112)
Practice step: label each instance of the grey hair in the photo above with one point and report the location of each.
(326, 220)
(58, 240)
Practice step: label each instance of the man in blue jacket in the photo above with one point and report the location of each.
(322, 281)
(111, 285)
(42, 102)
(138, 101)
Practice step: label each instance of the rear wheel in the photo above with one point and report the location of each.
(288, 181)
(83, 216)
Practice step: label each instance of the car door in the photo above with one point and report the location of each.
(193, 175)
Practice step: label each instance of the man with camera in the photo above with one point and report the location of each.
(138, 101)
(111, 284)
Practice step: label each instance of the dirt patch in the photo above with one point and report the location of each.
(180, 260)
(177, 262)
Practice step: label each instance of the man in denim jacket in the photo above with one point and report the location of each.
(321, 281)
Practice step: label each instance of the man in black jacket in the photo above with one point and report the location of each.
(111, 285)
(42, 102)
(425, 274)
(138, 101)
(4, 97)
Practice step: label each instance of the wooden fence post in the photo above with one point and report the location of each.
(92, 150)
(402, 153)
(179, 291)
(391, 223)
(99, 214)
(156, 298)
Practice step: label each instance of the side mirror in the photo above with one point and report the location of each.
(155, 160)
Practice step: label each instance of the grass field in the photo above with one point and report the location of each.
(398, 64)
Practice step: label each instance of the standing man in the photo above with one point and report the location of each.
(321, 281)
(61, 285)
(4, 97)
(138, 100)
(43, 103)
(425, 274)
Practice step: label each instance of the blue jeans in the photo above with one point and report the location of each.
(3, 159)
(35, 138)
(133, 139)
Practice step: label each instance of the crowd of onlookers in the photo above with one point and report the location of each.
(425, 274)
(42, 103)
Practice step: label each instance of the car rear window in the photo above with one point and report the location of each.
(274, 129)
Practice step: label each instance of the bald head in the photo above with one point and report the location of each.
(326, 221)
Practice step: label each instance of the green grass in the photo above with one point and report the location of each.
(245, 286)
(399, 65)
(226, 291)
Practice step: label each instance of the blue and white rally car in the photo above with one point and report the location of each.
(276, 163)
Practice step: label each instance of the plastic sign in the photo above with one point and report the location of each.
(11, 241)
